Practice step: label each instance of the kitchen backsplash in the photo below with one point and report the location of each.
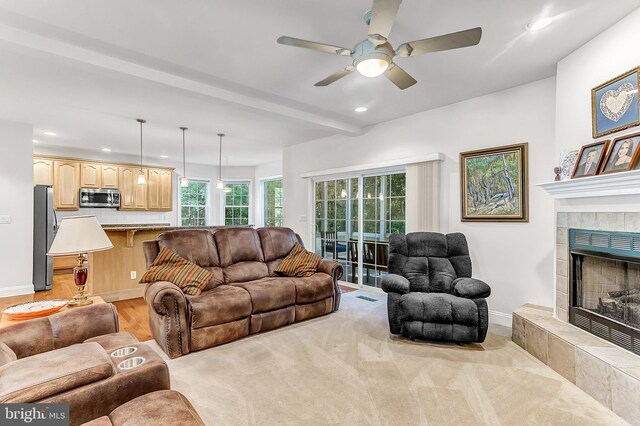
(114, 216)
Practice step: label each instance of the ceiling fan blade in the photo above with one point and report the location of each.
(399, 77)
(444, 42)
(383, 15)
(327, 48)
(335, 76)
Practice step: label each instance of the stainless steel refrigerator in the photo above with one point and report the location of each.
(44, 229)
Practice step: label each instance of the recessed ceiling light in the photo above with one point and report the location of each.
(48, 133)
(360, 109)
(539, 23)
(106, 149)
(164, 156)
(35, 140)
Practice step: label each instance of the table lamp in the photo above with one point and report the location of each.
(79, 235)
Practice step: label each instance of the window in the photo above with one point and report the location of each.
(194, 203)
(341, 234)
(272, 202)
(236, 206)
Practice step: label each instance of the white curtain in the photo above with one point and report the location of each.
(423, 196)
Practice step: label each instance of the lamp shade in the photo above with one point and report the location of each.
(79, 234)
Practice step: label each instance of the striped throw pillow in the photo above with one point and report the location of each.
(298, 263)
(170, 266)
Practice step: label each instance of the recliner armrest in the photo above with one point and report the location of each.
(168, 317)
(393, 283)
(470, 288)
(38, 335)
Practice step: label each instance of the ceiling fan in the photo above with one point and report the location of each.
(374, 55)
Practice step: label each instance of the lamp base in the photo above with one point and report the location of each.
(80, 280)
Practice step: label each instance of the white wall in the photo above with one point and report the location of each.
(16, 201)
(608, 55)
(515, 258)
(195, 171)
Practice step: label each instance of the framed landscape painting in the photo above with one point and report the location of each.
(614, 104)
(493, 184)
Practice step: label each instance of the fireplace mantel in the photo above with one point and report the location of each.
(625, 183)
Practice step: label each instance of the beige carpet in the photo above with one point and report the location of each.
(346, 369)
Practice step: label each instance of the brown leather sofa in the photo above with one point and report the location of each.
(68, 358)
(243, 297)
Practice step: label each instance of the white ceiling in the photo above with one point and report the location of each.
(86, 69)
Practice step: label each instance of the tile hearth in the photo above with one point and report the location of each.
(608, 373)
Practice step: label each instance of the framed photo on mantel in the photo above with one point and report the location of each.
(493, 184)
(614, 104)
(590, 159)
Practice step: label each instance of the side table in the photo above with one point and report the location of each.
(5, 321)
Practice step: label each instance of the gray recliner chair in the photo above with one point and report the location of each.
(431, 294)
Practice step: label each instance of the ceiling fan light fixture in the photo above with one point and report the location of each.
(372, 65)
(360, 109)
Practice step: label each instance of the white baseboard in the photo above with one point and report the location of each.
(16, 290)
(500, 318)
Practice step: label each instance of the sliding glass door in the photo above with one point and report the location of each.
(354, 217)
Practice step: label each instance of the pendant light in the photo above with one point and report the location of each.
(184, 181)
(220, 183)
(141, 179)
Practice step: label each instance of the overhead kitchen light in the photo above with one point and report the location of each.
(184, 181)
(48, 133)
(106, 149)
(141, 179)
(539, 23)
(220, 183)
(35, 140)
(360, 109)
(164, 156)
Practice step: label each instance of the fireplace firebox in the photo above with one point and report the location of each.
(604, 291)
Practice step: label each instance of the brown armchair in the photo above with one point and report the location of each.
(68, 358)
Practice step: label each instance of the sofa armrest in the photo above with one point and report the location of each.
(393, 283)
(168, 317)
(35, 336)
(470, 288)
(335, 269)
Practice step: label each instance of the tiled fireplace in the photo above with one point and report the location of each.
(604, 370)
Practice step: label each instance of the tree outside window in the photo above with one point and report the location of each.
(236, 208)
(194, 203)
(272, 199)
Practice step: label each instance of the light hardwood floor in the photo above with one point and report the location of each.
(132, 313)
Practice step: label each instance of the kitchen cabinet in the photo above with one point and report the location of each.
(90, 175)
(159, 190)
(42, 171)
(66, 184)
(68, 175)
(109, 176)
(132, 195)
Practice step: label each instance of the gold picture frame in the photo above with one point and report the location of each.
(494, 184)
(610, 111)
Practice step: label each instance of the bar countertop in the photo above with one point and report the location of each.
(149, 227)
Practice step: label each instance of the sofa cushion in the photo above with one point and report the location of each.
(314, 288)
(439, 308)
(170, 266)
(160, 407)
(441, 275)
(298, 263)
(40, 376)
(269, 293)
(195, 245)
(245, 271)
(219, 305)
(276, 242)
(6, 354)
(238, 245)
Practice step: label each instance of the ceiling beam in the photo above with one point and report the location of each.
(43, 43)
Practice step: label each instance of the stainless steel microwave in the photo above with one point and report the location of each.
(104, 197)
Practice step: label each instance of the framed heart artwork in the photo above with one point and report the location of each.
(614, 104)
